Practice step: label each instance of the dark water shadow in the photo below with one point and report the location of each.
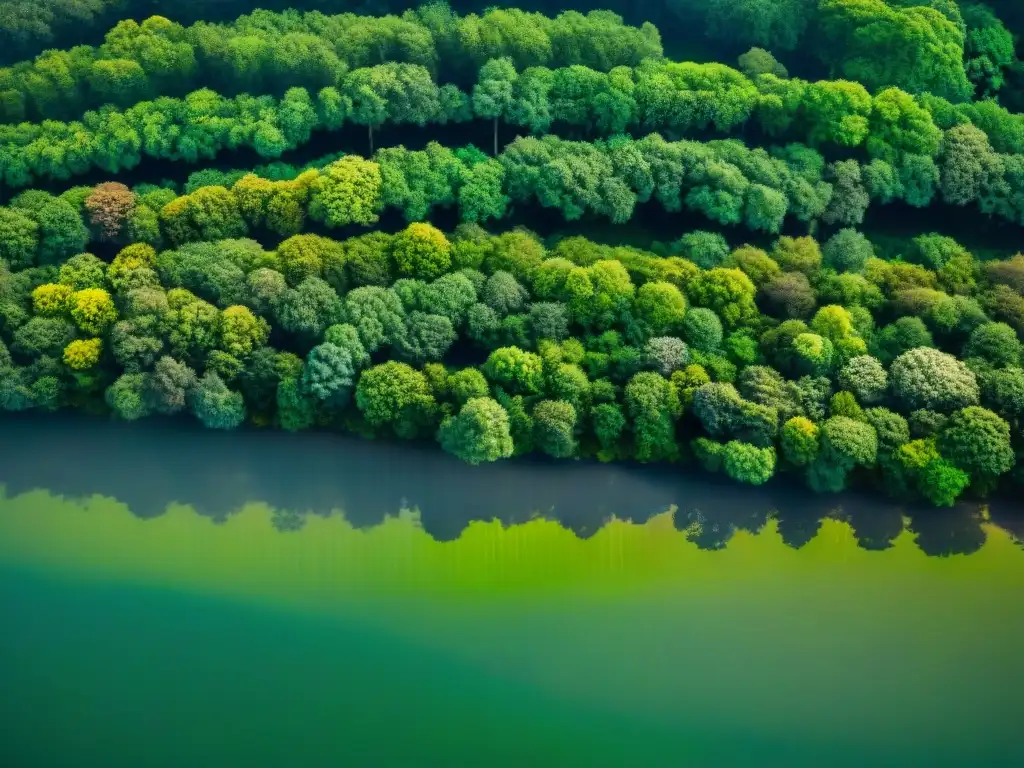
(148, 466)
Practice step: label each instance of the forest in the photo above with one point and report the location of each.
(366, 217)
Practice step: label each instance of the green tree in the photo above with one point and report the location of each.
(866, 378)
(347, 192)
(19, 238)
(996, 343)
(653, 406)
(126, 397)
(873, 42)
(845, 443)
(329, 375)
(553, 425)
(728, 292)
(702, 329)
(169, 387)
(978, 442)
(398, 396)
(928, 378)
(493, 92)
(422, 251)
(309, 309)
(800, 441)
(747, 463)
(520, 372)
(847, 251)
(216, 406)
(479, 433)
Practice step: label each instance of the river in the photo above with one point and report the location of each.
(177, 597)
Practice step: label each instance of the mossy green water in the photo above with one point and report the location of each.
(179, 641)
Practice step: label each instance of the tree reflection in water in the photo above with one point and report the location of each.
(151, 465)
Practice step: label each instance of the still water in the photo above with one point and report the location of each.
(176, 597)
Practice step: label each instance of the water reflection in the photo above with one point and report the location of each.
(149, 466)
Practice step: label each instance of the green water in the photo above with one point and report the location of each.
(161, 605)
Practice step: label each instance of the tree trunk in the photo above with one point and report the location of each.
(370, 127)
(495, 137)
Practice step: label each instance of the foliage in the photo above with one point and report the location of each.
(829, 352)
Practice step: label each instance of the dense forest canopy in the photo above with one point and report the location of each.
(391, 290)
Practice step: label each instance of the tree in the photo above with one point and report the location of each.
(996, 343)
(396, 395)
(797, 254)
(988, 49)
(83, 271)
(758, 61)
(450, 295)
(978, 442)
(241, 331)
(705, 249)
(520, 372)
(800, 441)
(1003, 391)
(653, 406)
(302, 256)
(109, 207)
(666, 354)
(789, 295)
(812, 354)
(728, 292)
(377, 314)
(850, 198)
(296, 408)
(866, 378)
(661, 307)
(493, 92)
(427, 338)
(968, 165)
(347, 192)
(872, 42)
(19, 239)
(51, 300)
(169, 386)
(479, 433)
(747, 463)
(83, 354)
(466, 384)
(61, 232)
(891, 428)
(549, 320)
(93, 310)
(553, 425)
(702, 329)
(755, 264)
(847, 251)
(347, 338)
(928, 378)
(777, 24)
(264, 288)
(422, 251)
(329, 375)
(503, 293)
(901, 336)
(309, 309)
(845, 443)
(941, 483)
(209, 213)
(394, 91)
(216, 406)
(126, 397)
